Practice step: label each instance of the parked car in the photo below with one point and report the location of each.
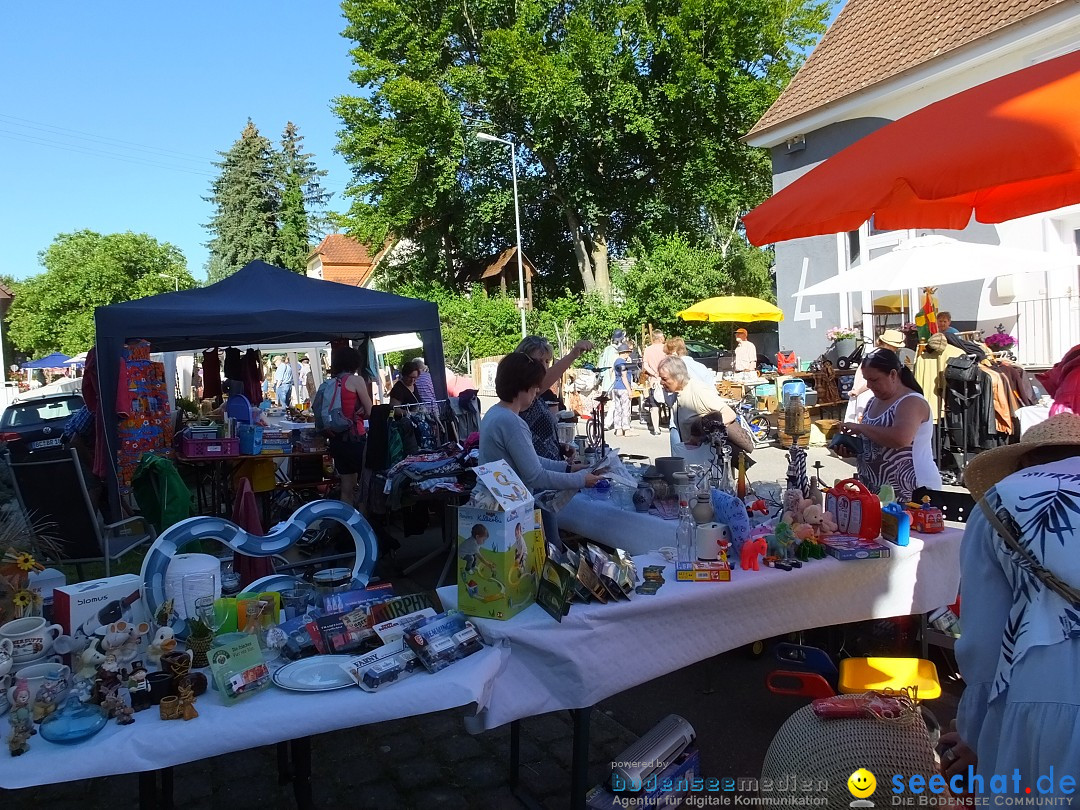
(712, 357)
(37, 424)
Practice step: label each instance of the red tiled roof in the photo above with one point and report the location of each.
(5, 292)
(337, 248)
(353, 276)
(874, 40)
(503, 259)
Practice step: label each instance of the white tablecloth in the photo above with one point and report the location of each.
(271, 716)
(603, 521)
(601, 650)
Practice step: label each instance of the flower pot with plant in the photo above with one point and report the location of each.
(844, 338)
(200, 639)
(1000, 341)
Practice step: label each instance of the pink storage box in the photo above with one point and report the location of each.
(209, 448)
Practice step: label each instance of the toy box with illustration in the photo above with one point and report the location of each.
(500, 545)
(703, 571)
(845, 547)
(86, 609)
(442, 640)
(238, 667)
(381, 667)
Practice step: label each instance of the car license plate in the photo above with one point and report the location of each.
(45, 443)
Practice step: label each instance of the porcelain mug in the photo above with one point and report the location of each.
(6, 660)
(31, 637)
(35, 677)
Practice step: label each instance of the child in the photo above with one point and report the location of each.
(469, 549)
(621, 393)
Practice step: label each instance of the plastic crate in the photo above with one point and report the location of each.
(209, 448)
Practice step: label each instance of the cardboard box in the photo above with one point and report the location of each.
(500, 549)
(86, 609)
(845, 547)
(666, 789)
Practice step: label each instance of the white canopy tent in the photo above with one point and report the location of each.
(930, 261)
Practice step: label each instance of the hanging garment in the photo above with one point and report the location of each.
(211, 374)
(251, 376)
(245, 514)
(234, 364)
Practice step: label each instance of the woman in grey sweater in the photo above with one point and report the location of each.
(504, 434)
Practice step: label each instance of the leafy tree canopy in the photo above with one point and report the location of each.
(626, 117)
(54, 311)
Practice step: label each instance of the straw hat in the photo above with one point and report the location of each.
(991, 466)
(893, 338)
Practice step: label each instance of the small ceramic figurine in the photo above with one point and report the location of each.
(115, 703)
(47, 693)
(21, 720)
(164, 642)
(122, 639)
(89, 660)
(108, 678)
(187, 700)
(139, 687)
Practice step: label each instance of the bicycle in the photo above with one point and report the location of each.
(752, 420)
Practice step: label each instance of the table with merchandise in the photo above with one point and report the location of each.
(571, 665)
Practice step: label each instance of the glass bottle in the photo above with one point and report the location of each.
(686, 531)
(741, 486)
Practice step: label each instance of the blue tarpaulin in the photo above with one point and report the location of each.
(54, 360)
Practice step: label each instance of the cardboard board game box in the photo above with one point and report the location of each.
(703, 571)
(500, 545)
(86, 609)
(846, 547)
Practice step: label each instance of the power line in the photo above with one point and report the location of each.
(83, 150)
(53, 129)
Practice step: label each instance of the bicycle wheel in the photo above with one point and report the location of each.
(760, 429)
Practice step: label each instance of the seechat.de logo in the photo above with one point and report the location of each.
(861, 784)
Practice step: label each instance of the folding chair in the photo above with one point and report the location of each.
(54, 491)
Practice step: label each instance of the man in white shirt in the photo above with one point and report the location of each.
(745, 352)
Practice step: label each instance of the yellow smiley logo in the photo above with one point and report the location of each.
(861, 783)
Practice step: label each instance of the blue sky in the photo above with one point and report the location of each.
(111, 112)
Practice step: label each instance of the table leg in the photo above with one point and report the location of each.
(284, 767)
(579, 773)
(515, 753)
(156, 789)
(301, 762)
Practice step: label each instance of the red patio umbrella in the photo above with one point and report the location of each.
(1004, 149)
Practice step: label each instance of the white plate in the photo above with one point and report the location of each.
(318, 674)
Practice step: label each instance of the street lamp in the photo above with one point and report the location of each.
(176, 279)
(483, 136)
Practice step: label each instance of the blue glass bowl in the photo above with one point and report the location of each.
(73, 723)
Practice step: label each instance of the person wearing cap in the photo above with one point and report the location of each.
(745, 352)
(1020, 648)
(896, 429)
(620, 406)
(859, 395)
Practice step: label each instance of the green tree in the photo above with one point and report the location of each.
(302, 199)
(54, 311)
(246, 201)
(670, 273)
(627, 116)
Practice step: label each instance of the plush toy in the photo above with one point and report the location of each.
(90, 659)
(752, 550)
(822, 521)
(781, 540)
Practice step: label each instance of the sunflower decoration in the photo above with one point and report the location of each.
(23, 599)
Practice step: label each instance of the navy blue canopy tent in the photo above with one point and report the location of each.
(54, 360)
(259, 304)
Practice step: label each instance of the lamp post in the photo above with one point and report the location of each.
(176, 280)
(483, 136)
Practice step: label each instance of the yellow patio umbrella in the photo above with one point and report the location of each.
(889, 304)
(732, 308)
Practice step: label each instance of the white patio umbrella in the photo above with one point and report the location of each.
(930, 261)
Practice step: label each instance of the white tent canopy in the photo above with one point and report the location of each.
(397, 343)
(930, 261)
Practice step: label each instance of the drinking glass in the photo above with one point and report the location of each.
(211, 612)
(195, 586)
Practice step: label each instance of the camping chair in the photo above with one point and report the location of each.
(54, 491)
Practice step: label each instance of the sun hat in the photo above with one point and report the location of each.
(936, 344)
(624, 347)
(991, 466)
(892, 337)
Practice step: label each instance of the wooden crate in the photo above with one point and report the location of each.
(785, 439)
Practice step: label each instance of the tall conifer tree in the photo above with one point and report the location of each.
(302, 198)
(246, 200)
